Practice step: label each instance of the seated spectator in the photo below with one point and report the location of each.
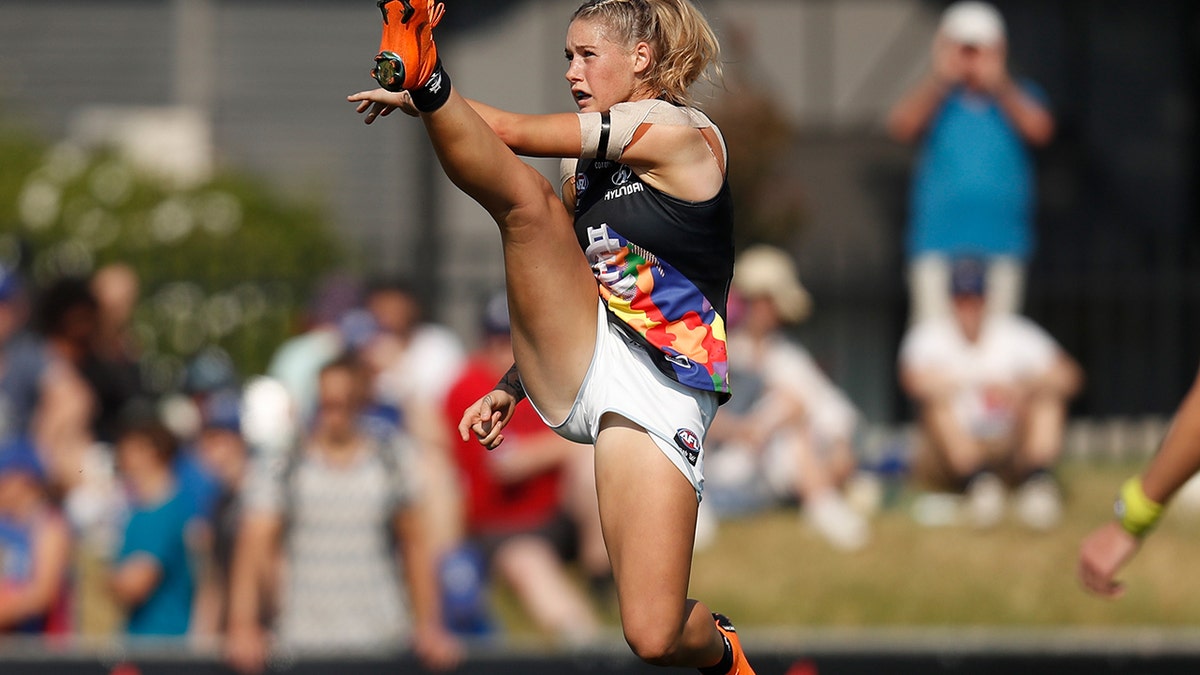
(152, 577)
(991, 392)
(530, 504)
(340, 510)
(35, 548)
(789, 431)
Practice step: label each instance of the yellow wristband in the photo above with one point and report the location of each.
(1136, 512)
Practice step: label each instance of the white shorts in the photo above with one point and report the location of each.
(622, 379)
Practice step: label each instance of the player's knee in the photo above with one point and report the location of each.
(652, 642)
(536, 198)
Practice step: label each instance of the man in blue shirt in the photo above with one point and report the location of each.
(973, 185)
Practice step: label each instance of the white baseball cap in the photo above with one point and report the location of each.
(973, 23)
(765, 271)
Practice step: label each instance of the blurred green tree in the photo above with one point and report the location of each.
(227, 263)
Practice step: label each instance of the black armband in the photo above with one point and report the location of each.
(605, 131)
(434, 93)
(511, 383)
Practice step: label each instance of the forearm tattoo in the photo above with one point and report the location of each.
(511, 383)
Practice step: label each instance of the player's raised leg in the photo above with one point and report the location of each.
(551, 290)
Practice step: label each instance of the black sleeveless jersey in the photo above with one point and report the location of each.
(663, 265)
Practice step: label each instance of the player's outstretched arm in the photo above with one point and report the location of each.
(555, 135)
(1108, 548)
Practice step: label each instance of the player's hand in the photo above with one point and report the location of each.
(381, 102)
(437, 649)
(1103, 553)
(487, 417)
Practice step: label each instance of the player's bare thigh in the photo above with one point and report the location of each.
(552, 297)
(648, 515)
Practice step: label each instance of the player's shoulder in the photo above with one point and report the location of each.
(658, 111)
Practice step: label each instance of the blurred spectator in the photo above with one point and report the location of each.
(211, 371)
(23, 362)
(152, 576)
(530, 503)
(67, 315)
(207, 416)
(415, 361)
(992, 391)
(973, 188)
(298, 360)
(789, 431)
(35, 548)
(113, 369)
(422, 359)
(78, 470)
(42, 396)
(221, 458)
(339, 506)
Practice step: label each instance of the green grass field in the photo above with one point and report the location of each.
(771, 570)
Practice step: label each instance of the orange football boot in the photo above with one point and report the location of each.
(740, 665)
(407, 55)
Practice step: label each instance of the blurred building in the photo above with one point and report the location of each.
(261, 85)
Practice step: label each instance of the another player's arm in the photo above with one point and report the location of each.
(1179, 458)
(1142, 499)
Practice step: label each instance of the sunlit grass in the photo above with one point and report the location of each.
(771, 570)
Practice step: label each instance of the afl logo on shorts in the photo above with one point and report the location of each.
(581, 183)
(689, 442)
